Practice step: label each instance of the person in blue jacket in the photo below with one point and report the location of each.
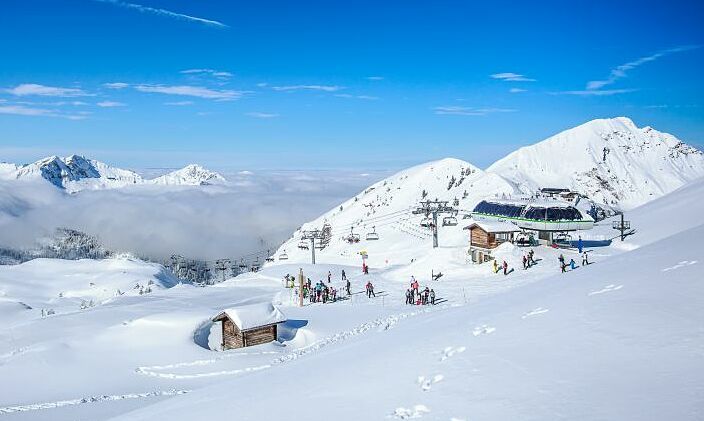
(580, 245)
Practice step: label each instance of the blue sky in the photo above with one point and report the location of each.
(363, 84)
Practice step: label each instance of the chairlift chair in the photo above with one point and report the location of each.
(449, 221)
(352, 237)
(373, 234)
(303, 245)
(283, 256)
(242, 265)
(426, 222)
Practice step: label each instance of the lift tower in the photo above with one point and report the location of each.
(434, 208)
(312, 235)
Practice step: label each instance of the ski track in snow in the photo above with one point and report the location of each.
(680, 265)
(382, 324)
(483, 330)
(91, 399)
(607, 288)
(535, 312)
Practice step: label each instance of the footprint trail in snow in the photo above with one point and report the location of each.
(608, 288)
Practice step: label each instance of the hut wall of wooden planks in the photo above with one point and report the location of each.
(249, 325)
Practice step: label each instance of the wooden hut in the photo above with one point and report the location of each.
(249, 325)
(484, 236)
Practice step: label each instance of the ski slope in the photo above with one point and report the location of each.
(535, 344)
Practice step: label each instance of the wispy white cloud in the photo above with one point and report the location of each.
(215, 73)
(179, 103)
(262, 85)
(621, 71)
(24, 110)
(164, 12)
(261, 115)
(116, 85)
(512, 77)
(374, 78)
(194, 91)
(33, 89)
(109, 104)
(367, 97)
(599, 92)
(470, 111)
(516, 90)
(325, 88)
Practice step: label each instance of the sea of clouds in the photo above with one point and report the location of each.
(253, 211)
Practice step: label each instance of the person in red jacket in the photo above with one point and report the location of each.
(505, 268)
(370, 290)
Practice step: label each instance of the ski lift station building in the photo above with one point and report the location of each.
(249, 325)
(544, 217)
(485, 236)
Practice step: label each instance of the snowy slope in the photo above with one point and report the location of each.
(642, 163)
(190, 175)
(387, 206)
(75, 173)
(620, 339)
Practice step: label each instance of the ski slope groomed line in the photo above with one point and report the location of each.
(91, 399)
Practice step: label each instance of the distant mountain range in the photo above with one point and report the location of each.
(76, 173)
(611, 161)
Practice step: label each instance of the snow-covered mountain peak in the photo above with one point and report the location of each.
(610, 160)
(192, 175)
(76, 172)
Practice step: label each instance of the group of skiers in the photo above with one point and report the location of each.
(528, 259)
(572, 265)
(320, 293)
(414, 296)
(503, 266)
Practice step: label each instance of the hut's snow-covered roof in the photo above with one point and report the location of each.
(253, 315)
(493, 226)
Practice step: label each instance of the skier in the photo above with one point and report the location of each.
(496, 266)
(348, 286)
(409, 297)
(573, 265)
(370, 290)
(530, 256)
(426, 294)
(562, 263)
(525, 262)
(432, 297)
(329, 276)
(580, 245)
(585, 259)
(344, 276)
(505, 266)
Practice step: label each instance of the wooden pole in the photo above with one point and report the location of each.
(300, 287)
